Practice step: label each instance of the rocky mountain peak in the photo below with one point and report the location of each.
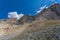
(51, 13)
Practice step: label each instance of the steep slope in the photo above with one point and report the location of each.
(44, 26)
(46, 14)
(40, 30)
(26, 19)
(56, 9)
(8, 31)
(51, 13)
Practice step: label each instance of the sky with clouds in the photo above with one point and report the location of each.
(22, 6)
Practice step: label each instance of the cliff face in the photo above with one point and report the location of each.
(44, 26)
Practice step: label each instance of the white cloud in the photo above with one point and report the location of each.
(15, 15)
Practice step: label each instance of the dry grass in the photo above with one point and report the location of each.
(34, 26)
(7, 29)
(41, 25)
(37, 26)
(28, 27)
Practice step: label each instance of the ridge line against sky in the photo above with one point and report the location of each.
(22, 6)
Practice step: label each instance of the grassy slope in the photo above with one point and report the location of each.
(37, 26)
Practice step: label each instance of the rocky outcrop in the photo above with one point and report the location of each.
(25, 19)
(47, 14)
(56, 9)
(53, 12)
(41, 30)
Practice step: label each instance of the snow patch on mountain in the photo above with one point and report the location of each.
(45, 6)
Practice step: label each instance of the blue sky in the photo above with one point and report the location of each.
(21, 6)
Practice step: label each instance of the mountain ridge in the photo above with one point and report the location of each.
(44, 26)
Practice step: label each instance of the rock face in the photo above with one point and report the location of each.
(26, 19)
(56, 9)
(47, 14)
(52, 12)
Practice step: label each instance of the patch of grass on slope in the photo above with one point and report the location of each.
(37, 27)
(41, 25)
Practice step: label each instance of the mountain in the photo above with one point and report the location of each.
(40, 30)
(26, 19)
(56, 9)
(43, 26)
(51, 13)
